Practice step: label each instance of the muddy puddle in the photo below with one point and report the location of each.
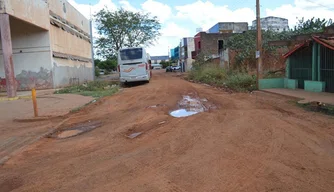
(76, 130)
(189, 106)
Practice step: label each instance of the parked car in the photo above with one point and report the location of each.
(169, 69)
(176, 68)
(102, 71)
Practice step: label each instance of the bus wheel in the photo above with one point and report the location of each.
(123, 84)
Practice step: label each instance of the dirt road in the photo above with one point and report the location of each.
(251, 142)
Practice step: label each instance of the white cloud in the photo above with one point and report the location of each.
(171, 36)
(206, 14)
(162, 46)
(87, 9)
(127, 6)
(173, 30)
(162, 11)
(304, 8)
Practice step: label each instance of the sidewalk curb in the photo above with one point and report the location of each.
(55, 129)
(40, 118)
(14, 98)
(279, 94)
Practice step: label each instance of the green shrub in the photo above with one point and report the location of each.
(93, 88)
(208, 74)
(241, 82)
(213, 75)
(106, 72)
(97, 72)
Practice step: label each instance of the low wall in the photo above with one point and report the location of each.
(31, 57)
(278, 83)
(291, 84)
(67, 72)
(271, 83)
(314, 86)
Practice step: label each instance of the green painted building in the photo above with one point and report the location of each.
(309, 66)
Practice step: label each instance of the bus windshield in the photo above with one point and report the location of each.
(131, 54)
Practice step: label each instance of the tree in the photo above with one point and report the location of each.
(124, 28)
(245, 44)
(312, 25)
(165, 64)
(108, 64)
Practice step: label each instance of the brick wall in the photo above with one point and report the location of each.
(209, 42)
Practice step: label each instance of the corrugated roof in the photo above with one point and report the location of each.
(297, 47)
(325, 41)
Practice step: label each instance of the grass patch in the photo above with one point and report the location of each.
(96, 89)
(318, 107)
(213, 75)
(274, 74)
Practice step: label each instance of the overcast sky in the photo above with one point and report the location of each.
(180, 18)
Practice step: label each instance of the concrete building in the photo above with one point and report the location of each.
(158, 59)
(175, 53)
(229, 27)
(44, 44)
(272, 23)
(187, 46)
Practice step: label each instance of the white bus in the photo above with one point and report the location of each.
(134, 64)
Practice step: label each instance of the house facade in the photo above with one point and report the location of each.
(309, 66)
(212, 46)
(187, 46)
(44, 44)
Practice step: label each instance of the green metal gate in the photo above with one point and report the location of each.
(327, 68)
(301, 65)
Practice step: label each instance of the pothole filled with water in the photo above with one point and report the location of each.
(76, 130)
(189, 106)
(182, 113)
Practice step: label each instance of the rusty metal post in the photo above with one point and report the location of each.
(6, 41)
(34, 101)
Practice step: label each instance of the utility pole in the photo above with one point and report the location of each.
(91, 39)
(258, 45)
(7, 53)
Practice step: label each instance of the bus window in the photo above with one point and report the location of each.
(131, 54)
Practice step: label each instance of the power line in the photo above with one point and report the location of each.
(321, 5)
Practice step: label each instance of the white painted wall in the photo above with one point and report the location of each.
(64, 70)
(31, 50)
(34, 40)
(64, 42)
(191, 47)
(35, 12)
(69, 13)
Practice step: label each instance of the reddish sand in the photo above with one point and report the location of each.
(251, 142)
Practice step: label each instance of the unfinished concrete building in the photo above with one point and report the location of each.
(229, 27)
(212, 46)
(273, 23)
(44, 44)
